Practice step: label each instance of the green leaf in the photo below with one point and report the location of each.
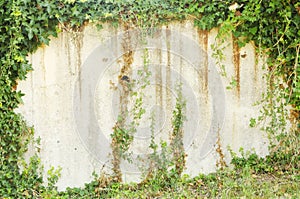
(30, 34)
(253, 30)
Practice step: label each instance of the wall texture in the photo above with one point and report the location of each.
(75, 94)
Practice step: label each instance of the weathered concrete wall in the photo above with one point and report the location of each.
(73, 97)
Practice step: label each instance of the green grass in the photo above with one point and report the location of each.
(225, 183)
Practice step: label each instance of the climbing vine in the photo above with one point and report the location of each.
(25, 25)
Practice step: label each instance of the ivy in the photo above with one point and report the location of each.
(25, 25)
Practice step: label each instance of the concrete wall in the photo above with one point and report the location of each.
(73, 97)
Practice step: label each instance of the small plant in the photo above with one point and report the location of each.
(128, 120)
(166, 165)
(178, 133)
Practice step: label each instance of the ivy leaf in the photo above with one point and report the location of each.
(253, 30)
(30, 34)
(44, 40)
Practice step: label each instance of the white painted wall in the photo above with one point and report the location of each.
(72, 105)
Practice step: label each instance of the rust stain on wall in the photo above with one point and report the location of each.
(77, 39)
(181, 44)
(236, 62)
(78, 42)
(42, 64)
(159, 85)
(203, 41)
(256, 83)
(168, 71)
(158, 80)
(125, 72)
(65, 39)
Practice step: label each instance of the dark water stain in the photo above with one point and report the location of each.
(77, 39)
